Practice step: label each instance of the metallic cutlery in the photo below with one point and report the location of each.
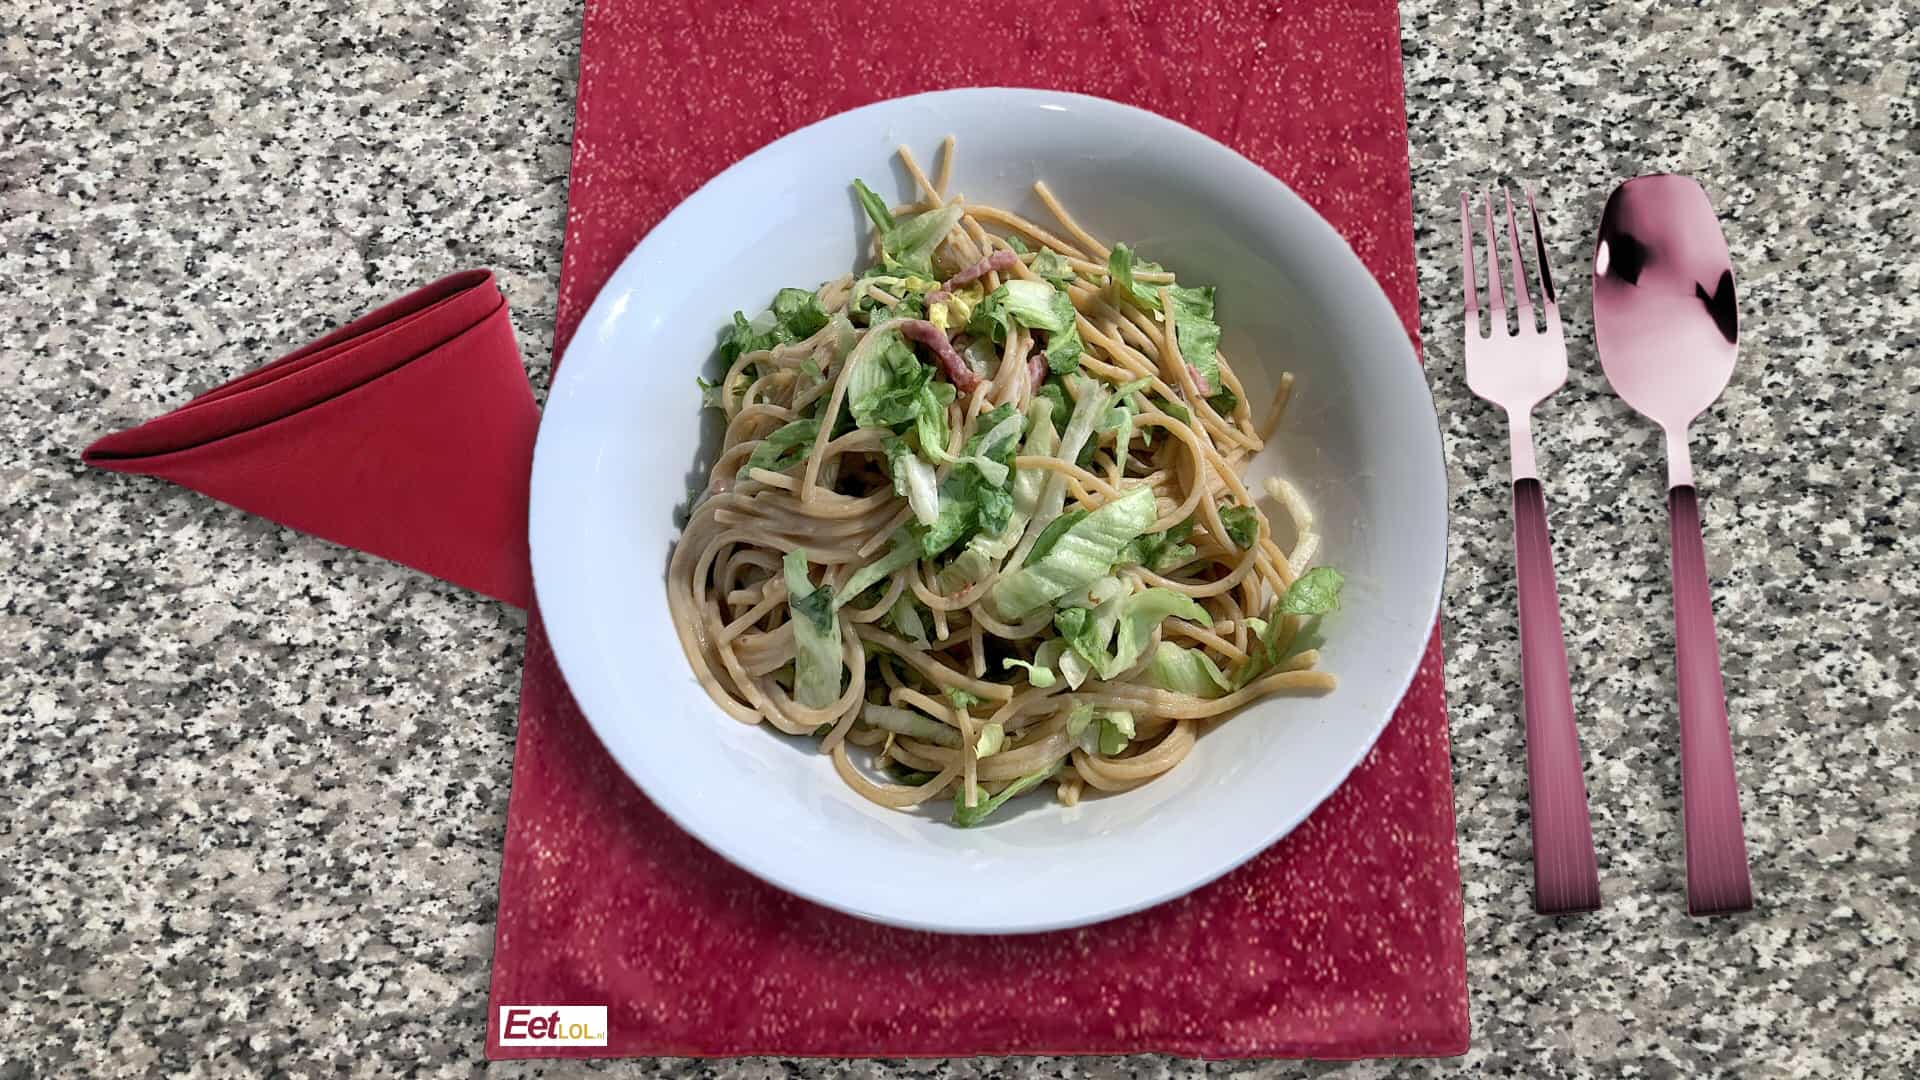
(1665, 322)
(1516, 371)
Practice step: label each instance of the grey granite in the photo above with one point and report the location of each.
(255, 785)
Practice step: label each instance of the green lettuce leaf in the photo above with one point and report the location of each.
(991, 740)
(1187, 671)
(974, 498)
(908, 242)
(1052, 266)
(906, 620)
(1051, 535)
(886, 384)
(1139, 615)
(1161, 552)
(984, 551)
(1035, 305)
(904, 552)
(1083, 554)
(1315, 592)
(764, 332)
(785, 447)
(1038, 676)
(799, 312)
(1121, 266)
(1100, 731)
(1243, 525)
(960, 698)
(816, 635)
(1197, 334)
(968, 816)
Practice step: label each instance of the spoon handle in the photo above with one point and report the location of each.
(1566, 878)
(1718, 881)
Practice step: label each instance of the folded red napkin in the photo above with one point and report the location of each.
(1344, 940)
(407, 433)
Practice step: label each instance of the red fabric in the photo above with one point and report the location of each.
(1344, 940)
(407, 433)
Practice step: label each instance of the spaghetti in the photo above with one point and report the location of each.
(978, 513)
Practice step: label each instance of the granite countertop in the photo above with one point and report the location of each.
(256, 784)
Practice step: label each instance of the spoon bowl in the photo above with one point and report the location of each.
(1664, 310)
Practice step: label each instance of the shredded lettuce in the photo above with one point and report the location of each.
(1088, 408)
(1051, 535)
(1083, 554)
(1055, 654)
(889, 386)
(1195, 329)
(905, 619)
(1315, 592)
(816, 635)
(1197, 334)
(1243, 525)
(910, 289)
(1128, 621)
(796, 314)
(971, 501)
(1052, 266)
(1121, 265)
(991, 449)
(1187, 671)
(908, 242)
(904, 552)
(1038, 676)
(1027, 488)
(785, 447)
(1161, 552)
(913, 479)
(709, 393)
(1018, 245)
(1035, 305)
(1100, 731)
(960, 698)
(1139, 615)
(799, 312)
(991, 740)
(968, 816)
(909, 723)
(764, 332)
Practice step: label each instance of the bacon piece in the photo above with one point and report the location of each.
(1200, 381)
(958, 373)
(1037, 369)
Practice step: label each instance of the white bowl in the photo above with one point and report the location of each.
(616, 457)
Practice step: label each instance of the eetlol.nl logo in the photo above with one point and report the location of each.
(553, 1025)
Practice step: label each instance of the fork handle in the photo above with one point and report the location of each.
(1718, 881)
(1566, 878)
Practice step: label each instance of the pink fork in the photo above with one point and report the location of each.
(1516, 371)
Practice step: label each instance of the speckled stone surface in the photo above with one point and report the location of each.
(256, 784)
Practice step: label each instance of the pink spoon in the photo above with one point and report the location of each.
(1665, 324)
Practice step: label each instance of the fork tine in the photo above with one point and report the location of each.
(1466, 264)
(1496, 300)
(1547, 298)
(1521, 299)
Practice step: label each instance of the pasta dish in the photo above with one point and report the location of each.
(978, 522)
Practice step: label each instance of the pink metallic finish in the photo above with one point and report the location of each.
(1667, 327)
(1516, 370)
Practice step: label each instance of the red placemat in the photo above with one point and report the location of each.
(1344, 940)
